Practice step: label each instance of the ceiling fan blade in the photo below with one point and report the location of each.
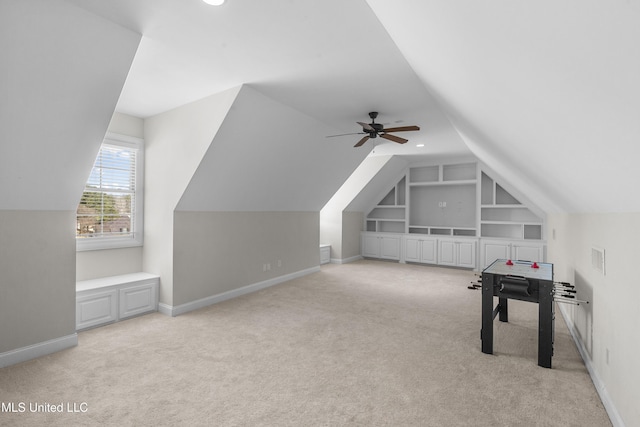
(366, 126)
(362, 141)
(343, 134)
(393, 138)
(402, 129)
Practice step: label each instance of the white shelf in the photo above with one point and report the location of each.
(443, 183)
(502, 216)
(511, 222)
(453, 200)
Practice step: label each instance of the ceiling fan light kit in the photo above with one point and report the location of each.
(373, 130)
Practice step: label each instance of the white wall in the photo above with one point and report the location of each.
(175, 143)
(608, 326)
(268, 156)
(331, 216)
(59, 90)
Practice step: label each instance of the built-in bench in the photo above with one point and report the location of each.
(110, 299)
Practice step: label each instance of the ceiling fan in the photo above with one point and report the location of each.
(373, 130)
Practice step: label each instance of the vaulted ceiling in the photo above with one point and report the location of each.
(546, 93)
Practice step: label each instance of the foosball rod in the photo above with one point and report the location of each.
(569, 301)
(570, 291)
(566, 284)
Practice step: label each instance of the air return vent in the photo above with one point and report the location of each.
(597, 259)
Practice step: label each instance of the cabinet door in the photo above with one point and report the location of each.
(371, 246)
(429, 251)
(527, 253)
(96, 308)
(466, 254)
(390, 247)
(447, 252)
(494, 251)
(412, 249)
(134, 300)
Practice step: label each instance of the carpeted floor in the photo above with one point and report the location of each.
(366, 344)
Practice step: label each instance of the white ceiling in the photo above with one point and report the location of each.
(547, 93)
(331, 60)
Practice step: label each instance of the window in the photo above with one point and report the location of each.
(110, 211)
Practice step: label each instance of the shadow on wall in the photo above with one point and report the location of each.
(583, 314)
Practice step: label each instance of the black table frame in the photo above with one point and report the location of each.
(543, 296)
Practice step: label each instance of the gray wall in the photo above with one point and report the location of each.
(352, 225)
(37, 283)
(215, 252)
(62, 72)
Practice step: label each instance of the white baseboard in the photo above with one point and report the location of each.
(346, 260)
(614, 416)
(29, 352)
(205, 302)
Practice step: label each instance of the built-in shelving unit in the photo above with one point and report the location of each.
(503, 216)
(443, 200)
(446, 214)
(390, 214)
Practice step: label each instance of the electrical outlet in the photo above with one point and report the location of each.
(607, 356)
(279, 263)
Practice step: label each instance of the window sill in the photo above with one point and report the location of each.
(91, 244)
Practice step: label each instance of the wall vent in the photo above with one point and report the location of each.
(597, 260)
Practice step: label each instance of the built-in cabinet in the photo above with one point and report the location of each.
(457, 253)
(447, 214)
(110, 299)
(421, 249)
(325, 254)
(381, 245)
(505, 249)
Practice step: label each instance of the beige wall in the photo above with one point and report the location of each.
(608, 326)
(331, 231)
(37, 280)
(352, 225)
(215, 252)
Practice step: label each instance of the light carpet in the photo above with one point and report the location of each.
(368, 343)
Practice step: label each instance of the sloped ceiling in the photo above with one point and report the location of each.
(331, 60)
(61, 74)
(243, 169)
(547, 93)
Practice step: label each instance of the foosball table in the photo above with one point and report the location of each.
(524, 281)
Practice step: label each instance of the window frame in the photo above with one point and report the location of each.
(136, 237)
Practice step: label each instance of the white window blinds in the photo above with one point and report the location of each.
(109, 203)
